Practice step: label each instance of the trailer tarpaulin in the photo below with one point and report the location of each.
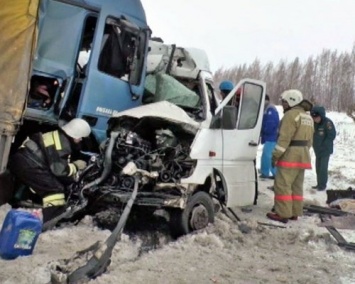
(18, 31)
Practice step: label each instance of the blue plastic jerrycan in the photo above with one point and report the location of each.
(19, 234)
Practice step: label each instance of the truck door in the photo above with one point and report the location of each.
(240, 139)
(115, 71)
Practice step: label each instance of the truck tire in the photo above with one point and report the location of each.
(198, 213)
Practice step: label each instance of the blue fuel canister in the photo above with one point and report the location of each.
(19, 234)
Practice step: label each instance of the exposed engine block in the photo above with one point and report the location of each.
(163, 153)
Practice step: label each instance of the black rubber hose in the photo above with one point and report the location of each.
(101, 257)
(107, 162)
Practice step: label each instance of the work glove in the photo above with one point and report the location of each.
(80, 164)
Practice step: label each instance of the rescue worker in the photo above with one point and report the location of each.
(225, 87)
(268, 137)
(324, 135)
(43, 164)
(291, 156)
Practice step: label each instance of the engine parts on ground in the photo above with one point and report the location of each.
(335, 194)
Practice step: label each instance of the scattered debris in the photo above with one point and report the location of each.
(346, 222)
(334, 194)
(344, 204)
(340, 239)
(335, 214)
(271, 225)
(98, 256)
(323, 210)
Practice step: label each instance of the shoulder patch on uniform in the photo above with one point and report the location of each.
(329, 125)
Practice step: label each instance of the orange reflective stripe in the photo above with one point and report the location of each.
(294, 165)
(297, 197)
(283, 197)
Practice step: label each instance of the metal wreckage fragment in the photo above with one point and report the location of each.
(131, 166)
(94, 260)
(326, 211)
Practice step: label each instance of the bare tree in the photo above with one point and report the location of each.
(327, 79)
(267, 76)
(280, 78)
(294, 74)
(307, 80)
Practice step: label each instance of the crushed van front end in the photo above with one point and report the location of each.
(157, 139)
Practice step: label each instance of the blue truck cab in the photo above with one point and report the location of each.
(89, 62)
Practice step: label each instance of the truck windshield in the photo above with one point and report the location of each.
(121, 47)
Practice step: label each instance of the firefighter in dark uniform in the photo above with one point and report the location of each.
(43, 164)
(324, 135)
(291, 156)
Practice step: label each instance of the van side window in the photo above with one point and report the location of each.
(250, 104)
(119, 47)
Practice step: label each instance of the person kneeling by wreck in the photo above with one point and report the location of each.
(43, 164)
(291, 156)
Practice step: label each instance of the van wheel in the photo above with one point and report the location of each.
(198, 213)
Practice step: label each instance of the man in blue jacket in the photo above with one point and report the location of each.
(269, 131)
(323, 137)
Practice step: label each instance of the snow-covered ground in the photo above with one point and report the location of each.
(225, 252)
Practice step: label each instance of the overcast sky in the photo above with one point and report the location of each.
(237, 31)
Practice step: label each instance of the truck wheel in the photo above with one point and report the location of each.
(198, 212)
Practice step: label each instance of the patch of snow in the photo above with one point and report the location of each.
(302, 252)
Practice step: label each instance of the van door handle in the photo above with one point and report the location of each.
(252, 143)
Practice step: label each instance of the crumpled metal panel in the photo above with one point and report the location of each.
(161, 110)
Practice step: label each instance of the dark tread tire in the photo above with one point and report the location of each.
(180, 219)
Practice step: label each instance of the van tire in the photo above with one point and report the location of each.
(197, 214)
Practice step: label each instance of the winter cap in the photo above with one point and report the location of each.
(226, 86)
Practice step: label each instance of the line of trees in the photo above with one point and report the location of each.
(327, 79)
